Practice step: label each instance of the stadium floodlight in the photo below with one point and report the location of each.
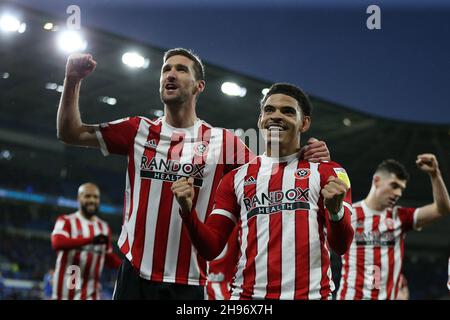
(108, 100)
(264, 91)
(48, 26)
(51, 86)
(6, 154)
(111, 101)
(233, 89)
(347, 122)
(22, 28)
(135, 60)
(71, 41)
(10, 23)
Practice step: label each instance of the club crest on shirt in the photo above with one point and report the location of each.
(303, 173)
(200, 148)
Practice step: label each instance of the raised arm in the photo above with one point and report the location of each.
(441, 204)
(70, 128)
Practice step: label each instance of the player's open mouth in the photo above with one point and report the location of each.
(275, 127)
(171, 86)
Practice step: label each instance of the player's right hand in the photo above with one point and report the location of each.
(79, 65)
(183, 190)
(100, 239)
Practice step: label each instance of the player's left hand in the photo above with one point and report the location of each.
(428, 163)
(333, 194)
(315, 151)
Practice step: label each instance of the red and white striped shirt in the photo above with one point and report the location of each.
(77, 271)
(152, 237)
(284, 252)
(372, 267)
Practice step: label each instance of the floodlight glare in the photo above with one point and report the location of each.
(108, 100)
(111, 101)
(347, 122)
(22, 28)
(135, 60)
(9, 23)
(48, 26)
(233, 89)
(71, 41)
(51, 86)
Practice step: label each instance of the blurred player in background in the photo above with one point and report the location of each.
(371, 268)
(83, 245)
(288, 211)
(160, 261)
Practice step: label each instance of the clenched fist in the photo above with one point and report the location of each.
(100, 239)
(427, 162)
(79, 65)
(333, 194)
(183, 189)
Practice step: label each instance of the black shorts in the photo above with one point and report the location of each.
(130, 286)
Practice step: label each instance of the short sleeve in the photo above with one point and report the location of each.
(407, 217)
(62, 227)
(117, 136)
(225, 201)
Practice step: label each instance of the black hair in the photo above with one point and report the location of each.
(292, 91)
(199, 68)
(395, 167)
